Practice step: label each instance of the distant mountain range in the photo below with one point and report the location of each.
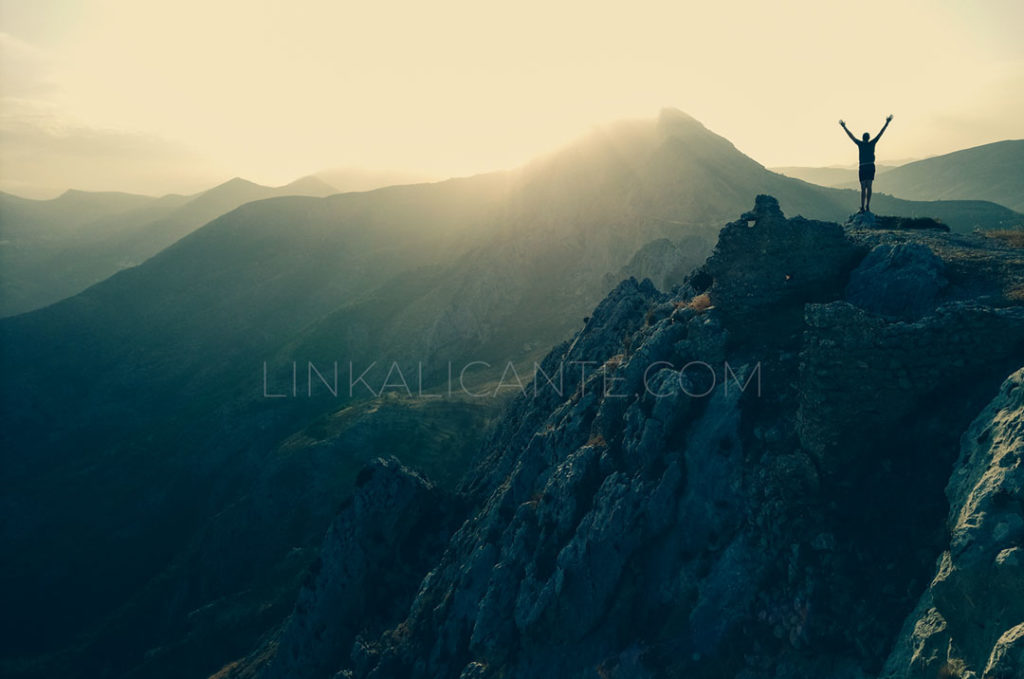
(837, 177)
(52, 249)
(355, 179)
(992, 172)
(134, 420)
(88, 236)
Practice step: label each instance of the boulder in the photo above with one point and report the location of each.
(862, 220)
(903, 280)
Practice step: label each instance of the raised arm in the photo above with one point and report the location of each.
(879, 135)
(842, 123)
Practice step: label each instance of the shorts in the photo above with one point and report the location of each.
(867, 172)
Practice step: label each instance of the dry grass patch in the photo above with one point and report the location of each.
(700, 303)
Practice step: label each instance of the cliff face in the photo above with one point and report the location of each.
(970, 620)
(741, 478)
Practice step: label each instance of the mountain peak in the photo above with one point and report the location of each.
(674, 121)
(234, 187)
(72, 195)
(236, 182)
(670, 113)
(310, 185)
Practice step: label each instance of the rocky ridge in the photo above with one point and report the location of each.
(745, 477)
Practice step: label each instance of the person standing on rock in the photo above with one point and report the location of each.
(866, 146)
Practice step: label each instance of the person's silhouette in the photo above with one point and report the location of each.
(866, 146)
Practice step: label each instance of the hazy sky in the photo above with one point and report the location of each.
(159, 96)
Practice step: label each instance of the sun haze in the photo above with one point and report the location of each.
(147, 97)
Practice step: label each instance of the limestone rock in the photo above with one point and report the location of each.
(862, 220)
(899, 281)
(1007, 660)
(972, 615)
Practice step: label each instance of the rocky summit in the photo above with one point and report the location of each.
(803, 461)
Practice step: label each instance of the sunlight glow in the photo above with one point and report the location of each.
(273, 91)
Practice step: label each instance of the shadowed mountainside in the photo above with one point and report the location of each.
(86, 237)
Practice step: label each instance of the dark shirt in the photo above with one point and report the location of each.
(867, 151)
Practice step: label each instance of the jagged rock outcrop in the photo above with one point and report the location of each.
(970, 620)
(370, 563)
(782, 263)
(741, 478)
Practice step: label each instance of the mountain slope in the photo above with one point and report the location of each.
(134, 415)
(163, 360)
(89, 236)
(72, 209)
(992, 172)
(836, 177)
